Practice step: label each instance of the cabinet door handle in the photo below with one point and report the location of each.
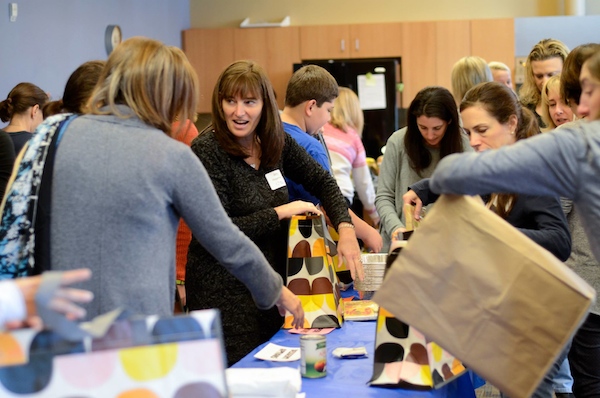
(343, 45)
(356, 44)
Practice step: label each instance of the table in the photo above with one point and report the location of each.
(349, 377)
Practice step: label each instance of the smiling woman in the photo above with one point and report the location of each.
(246, 154)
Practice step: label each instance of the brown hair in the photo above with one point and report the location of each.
(22, 97)
(593, 64)
(502, 103)
(247, 78)
(311, 82)
(545, 49)
(78, 90)
(432, 102)
(570, 88)
(156, 81)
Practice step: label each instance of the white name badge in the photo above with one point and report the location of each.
(275, 179)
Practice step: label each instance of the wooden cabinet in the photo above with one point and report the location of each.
(209, 51)
(275, 49)
(324, 42)
(494, 40)
(418, 58)
(453, 41)
(351, 41)
(428, 49)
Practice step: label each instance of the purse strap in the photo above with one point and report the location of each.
(44, 205)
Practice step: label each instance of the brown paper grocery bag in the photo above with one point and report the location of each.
(485, 292)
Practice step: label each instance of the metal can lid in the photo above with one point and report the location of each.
(312, 337)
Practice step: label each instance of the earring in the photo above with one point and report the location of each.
(512, 132)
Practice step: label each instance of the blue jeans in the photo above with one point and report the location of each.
(563, 381)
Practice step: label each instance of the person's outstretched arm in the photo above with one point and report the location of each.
(551, 164)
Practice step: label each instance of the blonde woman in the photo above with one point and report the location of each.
(348, 160)
(501, 73)
(545, 60)
(555, 111)
(466, 73)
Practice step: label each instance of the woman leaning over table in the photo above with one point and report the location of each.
(411, 153)
(132, 182)
(493, 118)
(247, 154)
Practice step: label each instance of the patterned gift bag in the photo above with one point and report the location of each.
(180, 357)
(406, 358)
(310, 273)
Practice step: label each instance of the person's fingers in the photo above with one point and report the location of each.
(355, 266)
(67, 307)
(298, 316)
(74, 295)
(418, 208)
(76, 275)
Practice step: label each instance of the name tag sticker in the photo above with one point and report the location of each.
(275, 179)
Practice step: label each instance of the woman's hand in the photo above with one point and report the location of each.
(411, 198)
(349, 251)
(398, 234)
(296, 207)
(290, 302)
(372, 240)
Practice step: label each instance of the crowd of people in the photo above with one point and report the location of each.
(145, 179)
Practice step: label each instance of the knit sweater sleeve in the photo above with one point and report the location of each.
(300, 167)
(391, 167)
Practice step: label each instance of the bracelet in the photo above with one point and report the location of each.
(345, 225)
(179, 282)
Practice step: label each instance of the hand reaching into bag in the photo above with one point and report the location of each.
(290, 302)
(411, 198)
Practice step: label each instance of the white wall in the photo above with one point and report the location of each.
(572, 31)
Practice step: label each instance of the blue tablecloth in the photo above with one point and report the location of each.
(349, 377)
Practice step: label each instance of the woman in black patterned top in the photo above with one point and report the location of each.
(247, 155)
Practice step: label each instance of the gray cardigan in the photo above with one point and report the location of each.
(119, 188)
(395, 176)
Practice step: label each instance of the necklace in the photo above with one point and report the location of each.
(252, 158)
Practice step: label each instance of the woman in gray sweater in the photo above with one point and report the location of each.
(121, 182)
(411, 154)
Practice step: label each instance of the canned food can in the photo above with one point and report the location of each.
(313, 356)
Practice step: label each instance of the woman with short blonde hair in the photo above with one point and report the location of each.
(468, 72)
